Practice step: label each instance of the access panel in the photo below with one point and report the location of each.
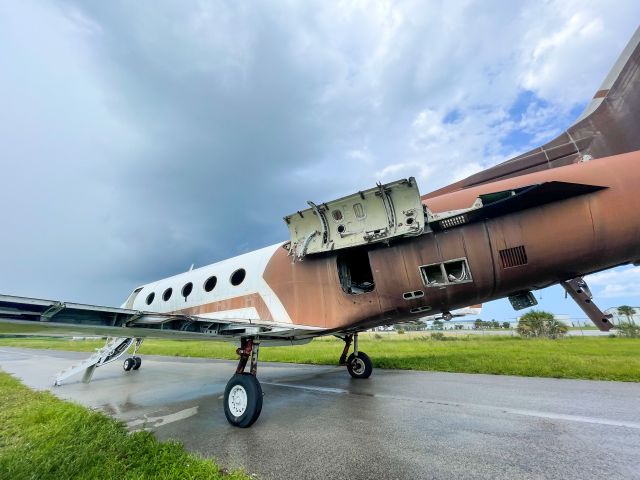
(369, 216)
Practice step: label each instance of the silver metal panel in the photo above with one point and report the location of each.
(369, 216)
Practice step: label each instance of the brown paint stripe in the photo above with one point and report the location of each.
(245, 301)
(601, 93)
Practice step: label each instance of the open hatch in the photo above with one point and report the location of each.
(369, 216)
(354, 271)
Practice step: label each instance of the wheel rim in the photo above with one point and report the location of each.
(357, 366)
(237, 400)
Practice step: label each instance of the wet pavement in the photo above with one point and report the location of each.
(317, 422)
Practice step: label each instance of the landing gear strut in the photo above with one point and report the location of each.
(243, 394)
(134, 362)
(358, 364)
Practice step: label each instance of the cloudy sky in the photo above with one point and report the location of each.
(137, 138)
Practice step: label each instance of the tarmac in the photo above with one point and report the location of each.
(318, 422)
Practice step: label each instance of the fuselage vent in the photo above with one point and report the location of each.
(453, 221)
(513, 257)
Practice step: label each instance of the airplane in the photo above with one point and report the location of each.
(388, 254)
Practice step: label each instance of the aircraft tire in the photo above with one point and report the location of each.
(128, 364)
(242, 400)
(360, 366)
(138, 363)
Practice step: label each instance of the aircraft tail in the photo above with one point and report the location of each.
(608, 126)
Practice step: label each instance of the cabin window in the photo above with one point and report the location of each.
(446, 273)
(186, 290)
(237, 277)
(432, 275)
(457, 271)
(167, 294)
(150, 298)
(210, 284)
(354, 271)
(337, 215)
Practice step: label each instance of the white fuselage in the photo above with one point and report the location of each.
(224, 294)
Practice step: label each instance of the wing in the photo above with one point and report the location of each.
(608, 126)
(33, 316)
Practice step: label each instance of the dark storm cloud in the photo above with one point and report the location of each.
(221, 128)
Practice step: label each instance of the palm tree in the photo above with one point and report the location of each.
(627, 311)
(538, 323)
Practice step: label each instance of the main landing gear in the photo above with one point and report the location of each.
(243, 394)
(358, 364)
(134, 362)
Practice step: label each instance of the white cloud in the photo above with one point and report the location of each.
(618, 283)
(395, 171)
(565, 56)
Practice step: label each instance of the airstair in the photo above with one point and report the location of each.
(113, 349)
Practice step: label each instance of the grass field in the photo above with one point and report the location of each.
(598, 358)
(42, 437)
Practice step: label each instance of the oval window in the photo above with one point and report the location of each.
(186, 290)
(237, 277)
(167, 294)
(150, 298)
(210, 284)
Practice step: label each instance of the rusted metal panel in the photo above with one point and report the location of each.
(310, 292)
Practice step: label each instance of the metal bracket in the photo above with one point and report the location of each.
(246, 346)
(137, 346)
(578, 289)
(347, 344)
(254, 358)
(323, 222)
(388, 205)
(305, 245)
(53, 310)
(132, 319)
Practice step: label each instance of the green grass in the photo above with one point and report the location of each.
(42, 437)
(598, 358)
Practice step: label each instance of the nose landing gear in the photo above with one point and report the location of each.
(243, 393)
